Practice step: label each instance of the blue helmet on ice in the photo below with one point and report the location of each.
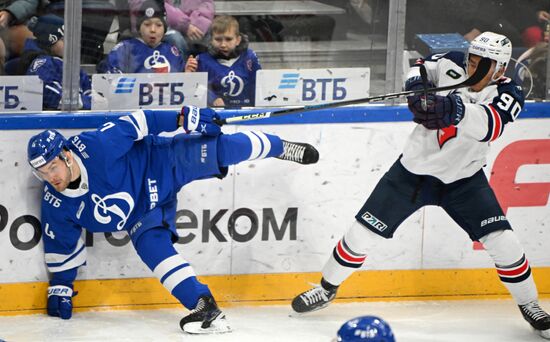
(365, 329)
(44, 147)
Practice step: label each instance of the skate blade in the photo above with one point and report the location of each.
(218, 326)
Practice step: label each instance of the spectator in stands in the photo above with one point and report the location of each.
(230, 64)
(147, 53)
(43, 57)
(97, 17)
(13, 31)
(188, 22)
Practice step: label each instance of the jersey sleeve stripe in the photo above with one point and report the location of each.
(497, 129)
(256, 144)
(494, 124)
(139, 121)
(70, 261)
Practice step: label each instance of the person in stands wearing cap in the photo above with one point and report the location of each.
(146, 53)
(43, 56)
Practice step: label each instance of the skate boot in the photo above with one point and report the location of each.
(537, 317)
(301, 153)
(315, 298)
(206, 318)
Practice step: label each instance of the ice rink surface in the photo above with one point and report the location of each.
(437, 321)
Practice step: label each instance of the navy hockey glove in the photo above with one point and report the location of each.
(442, 111)
(200, 120)
(415, 83)
(60, 302)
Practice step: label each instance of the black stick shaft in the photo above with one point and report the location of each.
(482, 69)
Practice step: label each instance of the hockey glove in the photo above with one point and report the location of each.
(60, 302)
(415, 83)
(200, 120)
(442, 111)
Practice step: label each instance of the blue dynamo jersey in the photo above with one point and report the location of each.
(232, 80)
(134, 56)
(127, 182)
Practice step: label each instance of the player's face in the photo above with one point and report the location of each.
(473, 61)
(227, 41)
(57, 173)
(152, 31)
(57, 48)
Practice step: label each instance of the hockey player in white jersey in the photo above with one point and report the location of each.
(442, 165)
(124, 176)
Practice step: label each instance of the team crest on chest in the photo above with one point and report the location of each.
(446, 134)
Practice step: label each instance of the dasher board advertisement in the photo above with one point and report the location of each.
(20, 93)
(299, 87)
(148, 91)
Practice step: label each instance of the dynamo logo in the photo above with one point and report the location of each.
(125, 85)
(289, 81)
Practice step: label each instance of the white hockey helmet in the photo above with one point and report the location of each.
(493, 46)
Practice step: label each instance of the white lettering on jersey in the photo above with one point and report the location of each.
(78, 144)
(50, 198)
(49, 232)
(102, 204)
(153, 192)
(80, 208)
(234, 83)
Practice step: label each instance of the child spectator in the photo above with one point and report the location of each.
(230, 64)
(188, 22)
(147, 53)
(43, 57)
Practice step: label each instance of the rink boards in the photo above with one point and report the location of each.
(262, 233)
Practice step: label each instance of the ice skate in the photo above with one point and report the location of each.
(314, 299)
(537, 317)
(301, 153)
(206, 318)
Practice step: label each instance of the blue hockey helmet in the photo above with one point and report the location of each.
(44, 147)
(365, 329)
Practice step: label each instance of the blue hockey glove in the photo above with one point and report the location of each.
(415, 83)
(60, 302)
(200, 120)
(441, 112)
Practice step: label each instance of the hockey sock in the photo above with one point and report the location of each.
(176, 274)
(349, 254)
(238, 147)
(512, 266)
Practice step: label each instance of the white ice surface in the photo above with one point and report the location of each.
(434, 321)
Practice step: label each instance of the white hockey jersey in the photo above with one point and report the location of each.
(457, 152)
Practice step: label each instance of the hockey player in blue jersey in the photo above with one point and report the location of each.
(442, 165)
(230, 64)
(123, 176)
(147, 53)
(43, 57)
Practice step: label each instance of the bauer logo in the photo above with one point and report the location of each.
(125, 85)
(289, 81)
(373, 221)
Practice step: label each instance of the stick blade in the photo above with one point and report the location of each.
(482, 70)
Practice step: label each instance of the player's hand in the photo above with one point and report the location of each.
(441, 111)
(192, 64)
(415, 83)
(201, 120)
(60, 302)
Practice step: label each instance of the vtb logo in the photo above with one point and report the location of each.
(125, 85)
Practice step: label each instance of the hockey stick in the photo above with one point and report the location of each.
(482, 69)
(424, 78)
